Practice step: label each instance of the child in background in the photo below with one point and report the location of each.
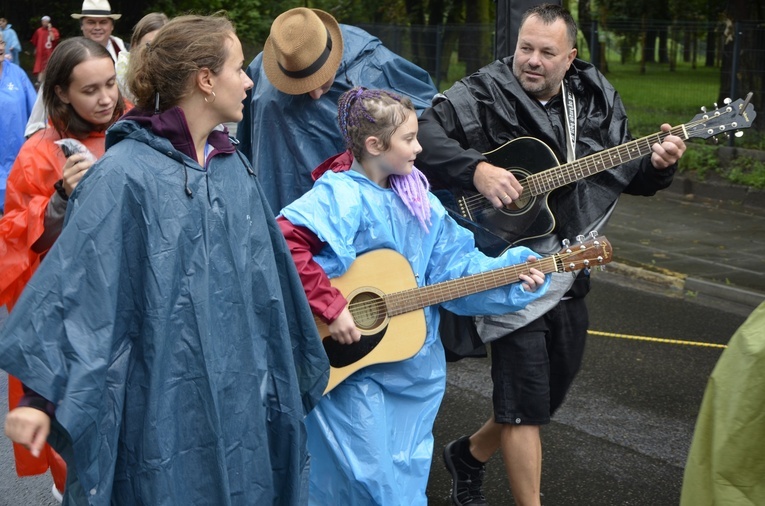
(143, 33)
(370, 438)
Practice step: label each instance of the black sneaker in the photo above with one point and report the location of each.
(467, 478)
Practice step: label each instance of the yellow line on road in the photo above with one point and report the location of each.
(656, 339)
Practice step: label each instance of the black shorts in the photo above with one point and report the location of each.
(533, 367)
(520, 371)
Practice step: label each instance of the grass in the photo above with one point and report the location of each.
(660, 96)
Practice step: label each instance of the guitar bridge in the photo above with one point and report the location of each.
(464, 209)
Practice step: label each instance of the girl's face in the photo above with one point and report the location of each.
(231, 84)
(399, 157)
(92, 92)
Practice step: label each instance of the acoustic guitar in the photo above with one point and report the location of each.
(537, 169)
(387, 305)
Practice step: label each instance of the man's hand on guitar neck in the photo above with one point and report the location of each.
(496, 184)
(668, 152)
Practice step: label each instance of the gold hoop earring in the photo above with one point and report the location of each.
(213, 98)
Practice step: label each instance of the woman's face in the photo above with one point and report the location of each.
(92, 92)
(231, 84)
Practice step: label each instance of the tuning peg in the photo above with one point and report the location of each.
(580, 238)
(738, 133)
(566, 243)
(593, 234)
(715, 105)
(703, 108)
(727, 101)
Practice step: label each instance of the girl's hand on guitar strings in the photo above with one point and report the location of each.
(343, 329)
(534, 279)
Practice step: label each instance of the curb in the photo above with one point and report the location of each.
(674, 281)
(718, 191)
(680, 285)
(730, 293)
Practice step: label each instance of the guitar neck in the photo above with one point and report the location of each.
(550, 179)
(418, 298)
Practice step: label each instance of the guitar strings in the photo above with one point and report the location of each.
(399, 302)
(540, 183)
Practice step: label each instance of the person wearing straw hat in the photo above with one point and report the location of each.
(290, 116)
(97, 24)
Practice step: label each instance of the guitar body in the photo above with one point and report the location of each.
(526, 218)
(383, 338)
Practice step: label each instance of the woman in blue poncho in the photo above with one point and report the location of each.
(167, 332)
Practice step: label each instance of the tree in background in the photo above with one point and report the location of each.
(745, 45)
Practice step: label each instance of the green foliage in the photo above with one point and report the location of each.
(747, 171)
(700, 159)
(245, 14)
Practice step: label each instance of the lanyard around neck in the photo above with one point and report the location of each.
(569, 113)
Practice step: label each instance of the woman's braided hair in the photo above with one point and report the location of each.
(364, 113)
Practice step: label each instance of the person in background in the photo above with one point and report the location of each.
(371, 437)
(143, 32)
(45, 39)
(12, 42)
(17, 96)
(290, 116)
(166, 336)
(543, 92)
(83, 101)
(97, 24)
(725, 462)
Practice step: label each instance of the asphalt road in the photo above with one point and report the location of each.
(623, 434)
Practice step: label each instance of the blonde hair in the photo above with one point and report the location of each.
(147, 24)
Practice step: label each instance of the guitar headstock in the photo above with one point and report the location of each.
(585, 253)
(732, 116)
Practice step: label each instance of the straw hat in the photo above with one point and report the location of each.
(303, 51)
(96, 9)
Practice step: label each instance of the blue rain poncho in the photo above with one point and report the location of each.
(286, 136)
(17, 96)
(172, 333)
(370, 438)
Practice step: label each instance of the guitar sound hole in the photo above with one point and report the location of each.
(368, 310)
(518, 205)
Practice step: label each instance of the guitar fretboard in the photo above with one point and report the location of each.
(418, 298)
(547, 180)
